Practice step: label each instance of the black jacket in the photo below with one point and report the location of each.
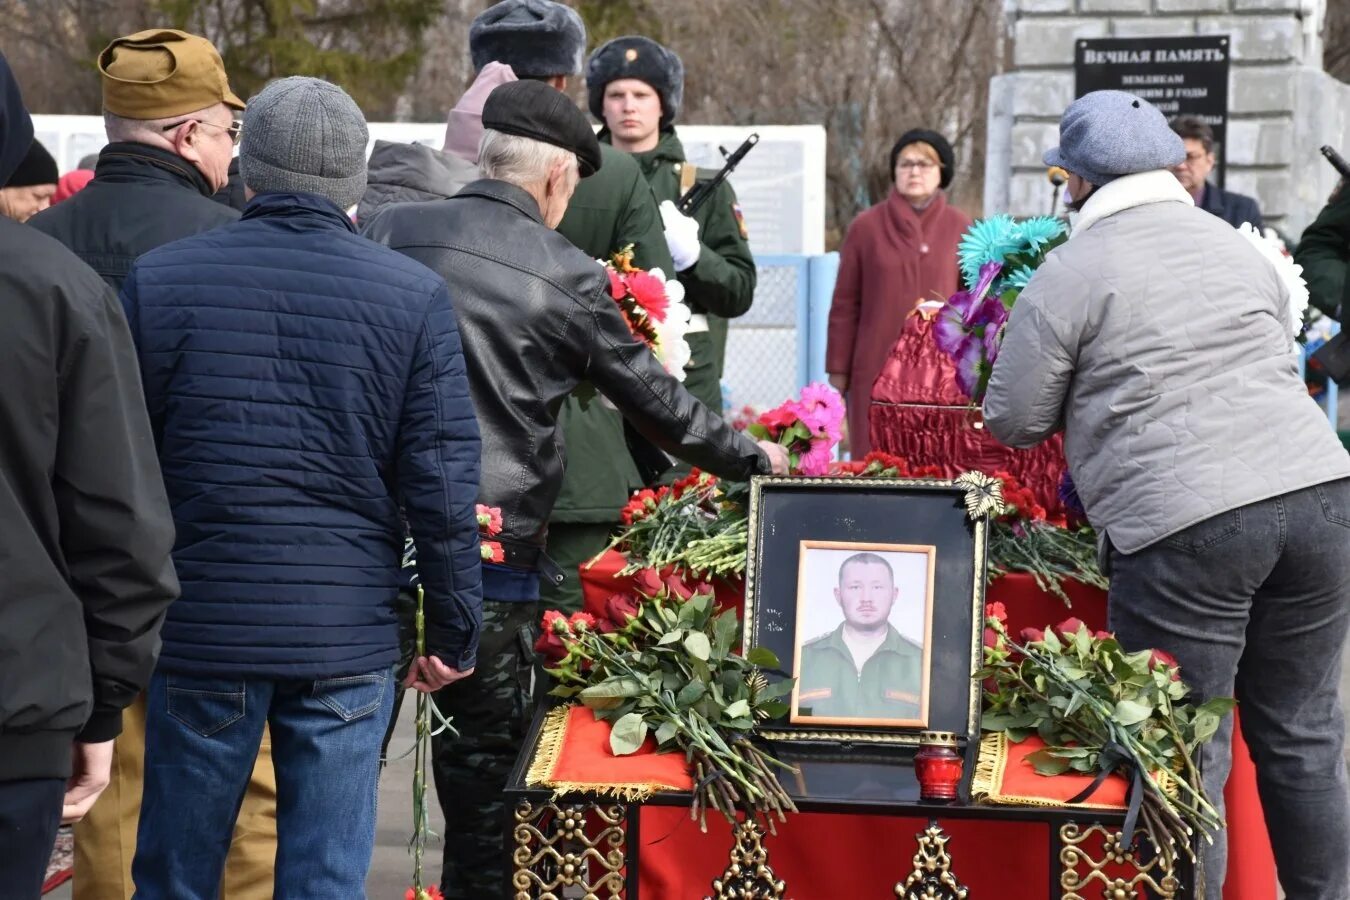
(1232, 207)
(536, 319)
(141, 198)
(85, 529)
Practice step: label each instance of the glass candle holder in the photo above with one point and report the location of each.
(938, 766)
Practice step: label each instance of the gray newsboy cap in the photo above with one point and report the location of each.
(1106, 134)
(536, 38)
(303, 135)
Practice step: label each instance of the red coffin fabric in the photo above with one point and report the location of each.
(919, 413)
(826, 856)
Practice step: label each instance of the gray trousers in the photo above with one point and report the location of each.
(1255, 603)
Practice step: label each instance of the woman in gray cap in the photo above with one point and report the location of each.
(1159, 340)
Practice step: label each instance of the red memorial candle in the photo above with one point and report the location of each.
(937, 765)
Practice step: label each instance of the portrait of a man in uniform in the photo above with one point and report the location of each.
(862, 649)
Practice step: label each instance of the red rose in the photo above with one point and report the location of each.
(1159, 658)
(678, 589)
(648, 583)
(1031, 635)
(1069, 627)
(996, 610)
(991, 638)
(619, 608)
(777, 419)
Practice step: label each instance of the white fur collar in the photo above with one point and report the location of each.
(1130, 191)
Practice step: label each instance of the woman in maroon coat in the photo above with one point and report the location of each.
(895, 254)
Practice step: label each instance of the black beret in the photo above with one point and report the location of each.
(641, 58)
(36, 167)
(532, 109)
(932, 139)
(536, 38)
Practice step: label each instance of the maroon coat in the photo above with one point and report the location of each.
(893, 257)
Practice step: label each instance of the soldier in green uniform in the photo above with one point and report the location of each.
(864, 669)
(635, 87)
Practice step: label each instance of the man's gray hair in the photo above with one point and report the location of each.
(520, 160)
(120, 128)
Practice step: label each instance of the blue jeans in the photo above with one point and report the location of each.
(1255, 602)
(201, 740)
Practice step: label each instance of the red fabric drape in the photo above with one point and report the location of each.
(827, 856)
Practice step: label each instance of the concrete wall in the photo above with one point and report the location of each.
(1282, 105)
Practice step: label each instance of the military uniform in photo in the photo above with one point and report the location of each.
(888, 686)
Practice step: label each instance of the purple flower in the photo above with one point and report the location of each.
(988, 272)
(970, 366)
(1073, 504)
(950, 328)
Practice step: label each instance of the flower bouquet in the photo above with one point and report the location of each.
(662, 663)
(654, 309)
(1024, 539)
(997, 257)
(808, 428)
(1100, 709)
(696, 527)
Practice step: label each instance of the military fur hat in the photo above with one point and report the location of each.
(637, 57)
(536, 38)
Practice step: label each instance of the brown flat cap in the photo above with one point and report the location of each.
(161, 73)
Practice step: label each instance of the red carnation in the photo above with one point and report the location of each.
(996, 610)
(495, 552)
(616, 285)
(582, 622)
(554, 633)
(650, 293)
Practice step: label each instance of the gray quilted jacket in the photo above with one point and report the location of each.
(1157, 338)
(410, 173)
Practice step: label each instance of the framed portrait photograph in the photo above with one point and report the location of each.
(871, 594)
(864, 623)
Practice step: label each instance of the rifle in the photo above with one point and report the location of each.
(702, 192)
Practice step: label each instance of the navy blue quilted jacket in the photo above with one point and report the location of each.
(303, 383)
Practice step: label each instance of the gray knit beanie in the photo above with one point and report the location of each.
(306, 136)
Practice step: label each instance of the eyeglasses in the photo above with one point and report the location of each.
(235, 129)
(921, 165)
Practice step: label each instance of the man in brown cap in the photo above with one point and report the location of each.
(170, 118)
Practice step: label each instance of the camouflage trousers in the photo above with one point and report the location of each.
(491, 711)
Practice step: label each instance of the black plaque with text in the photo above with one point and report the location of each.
(1179, 75)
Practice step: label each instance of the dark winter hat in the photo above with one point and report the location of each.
(637, 57)
(304, 135)
(532, 109)
(16, 128)
(536, 38)
(37, 167)
(1106, 134)
(934, 140)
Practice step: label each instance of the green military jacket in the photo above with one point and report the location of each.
(610, 210)
(721, 285)
(1324, 253)
(888, 687)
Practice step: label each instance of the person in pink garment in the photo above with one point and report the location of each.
(899, 252)
(464, 125)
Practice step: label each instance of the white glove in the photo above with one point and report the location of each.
(681, 236)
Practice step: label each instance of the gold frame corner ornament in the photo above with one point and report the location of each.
(932, 878)
(1141, 875)
(748, 875)
(984, 495)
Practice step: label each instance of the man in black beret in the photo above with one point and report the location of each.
(536, 319)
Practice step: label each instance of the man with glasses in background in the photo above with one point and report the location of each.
(1193, 173)
(170, 118)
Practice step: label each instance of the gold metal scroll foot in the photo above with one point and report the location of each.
(748, 876)
(932, 878)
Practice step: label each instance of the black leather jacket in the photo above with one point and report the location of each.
(536, 319)
(142, 197)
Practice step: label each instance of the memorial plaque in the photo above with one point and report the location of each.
(1179, 75)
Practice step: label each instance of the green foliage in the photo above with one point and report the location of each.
(1081, 693)
(369, 47)
(672, 673)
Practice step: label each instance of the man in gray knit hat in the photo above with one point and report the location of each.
(1160, 341)
(305, 385)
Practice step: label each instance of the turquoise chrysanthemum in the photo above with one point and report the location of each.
(1038, 231)
(1017, 279)
(988, 240)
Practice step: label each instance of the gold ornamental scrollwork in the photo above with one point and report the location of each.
(984, 495)
(748, 876)
(932, 878)
(1103, 876)
(553, 850)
